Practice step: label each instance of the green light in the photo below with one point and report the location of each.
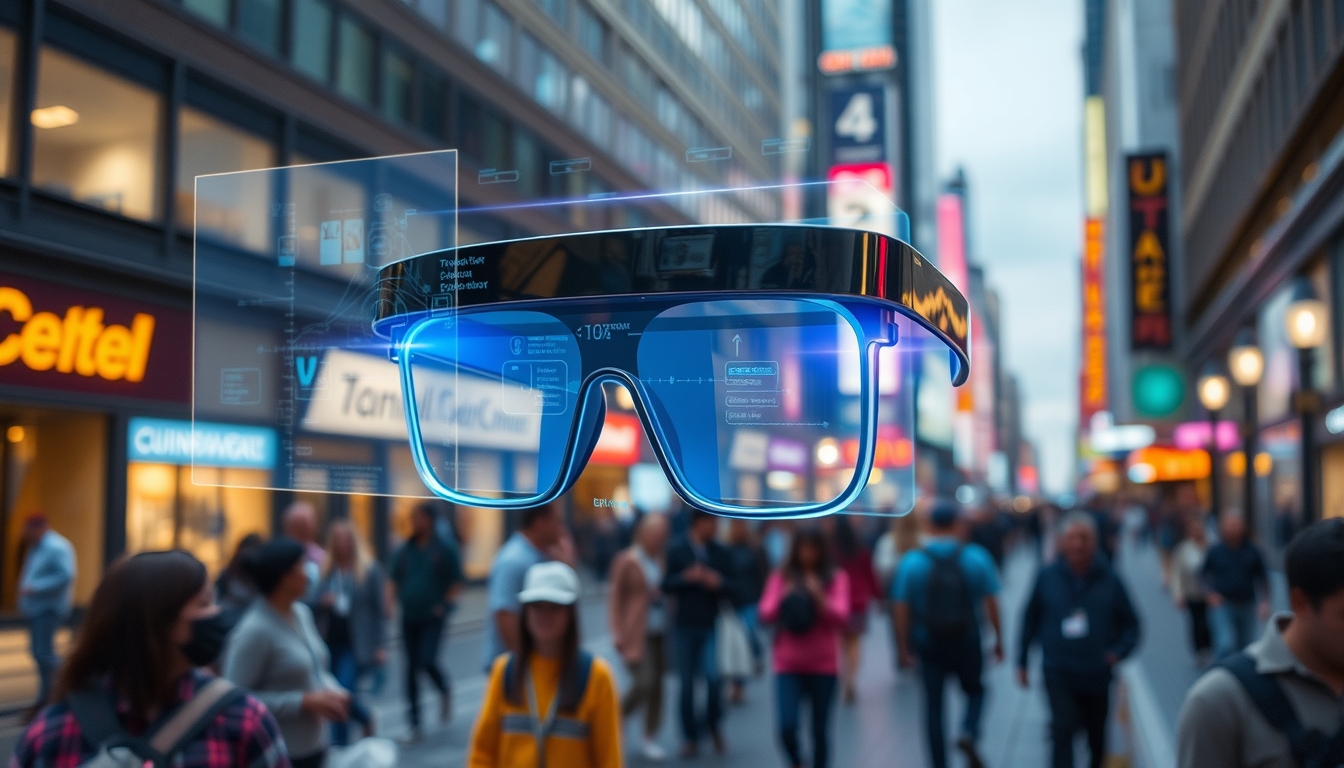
(1158, 391)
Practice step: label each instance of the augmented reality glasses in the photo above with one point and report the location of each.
(730, 339)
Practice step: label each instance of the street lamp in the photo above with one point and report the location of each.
(1307, 324)
(1213, 391)
(1247, 364)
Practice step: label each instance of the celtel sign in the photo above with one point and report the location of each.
(77, 342)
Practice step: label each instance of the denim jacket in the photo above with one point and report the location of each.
(48, 576)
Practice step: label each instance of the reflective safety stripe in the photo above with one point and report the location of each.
(569, 729)
(562, 728)
(517, 724)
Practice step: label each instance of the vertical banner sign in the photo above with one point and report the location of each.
(862, 184)
(1092, 394)
(1149, 239)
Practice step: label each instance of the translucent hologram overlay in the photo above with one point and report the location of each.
(286, 268)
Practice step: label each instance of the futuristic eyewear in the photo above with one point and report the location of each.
(730, 339)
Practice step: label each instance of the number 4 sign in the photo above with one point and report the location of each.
(858, 125)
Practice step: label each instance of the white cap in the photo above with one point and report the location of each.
(550, 582)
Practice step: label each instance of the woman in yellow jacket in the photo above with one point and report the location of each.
(551, 692)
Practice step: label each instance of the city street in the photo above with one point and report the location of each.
(882, 729)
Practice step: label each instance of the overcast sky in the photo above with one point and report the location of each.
(1008, 86)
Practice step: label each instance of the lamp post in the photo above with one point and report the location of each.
(1213, 393)
(1307, 323)
(1246, 364)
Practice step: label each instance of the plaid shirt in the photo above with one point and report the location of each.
(242, 735)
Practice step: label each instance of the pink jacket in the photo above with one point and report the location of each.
(818, 651)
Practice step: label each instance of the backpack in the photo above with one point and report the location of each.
(797, 612)
(1310, 747)
(949, 613)
(118, 749)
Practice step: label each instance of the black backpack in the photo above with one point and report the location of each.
(949, 613)
(1311, 748)
(797, 612)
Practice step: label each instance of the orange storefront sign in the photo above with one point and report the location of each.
(1159, 464)
(77, 342)
(1092, 389)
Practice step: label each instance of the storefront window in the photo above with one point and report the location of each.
(96, 138)
(207, 145)
(354, 75)
(1276, 388)
(55, 464)
(205, 510)
(312, 38)
(7, 62)
(166, 510)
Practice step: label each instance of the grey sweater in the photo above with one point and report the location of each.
(279, 659)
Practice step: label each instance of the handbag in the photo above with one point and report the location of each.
(732, 646)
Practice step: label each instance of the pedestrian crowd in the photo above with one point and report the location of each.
(269, 665)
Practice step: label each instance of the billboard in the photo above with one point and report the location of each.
(858, 125)
(856, 36)
(1092, 389)
(1149, 244)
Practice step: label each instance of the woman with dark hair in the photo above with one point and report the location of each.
(551, 686)
(854, 559)
(807, 599)
(276, 653)
(234, 590)
(151, 625)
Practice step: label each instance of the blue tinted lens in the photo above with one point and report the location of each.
(495, 397)
(744, 396)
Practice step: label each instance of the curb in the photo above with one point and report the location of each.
(1151, 739)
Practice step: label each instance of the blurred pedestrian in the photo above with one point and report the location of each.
(234, 590)
(277, 653)
(1238, 586)
(352, 616)
(807, 599)
(696, 578)
(150, 628)
(1187, 587)
(1277, 704)
(939, 593)
(854, 559)
(46, 585)
(901, 536)
(300, 524)
(541, 536)
(750, 568)
(988, 531)
(1082, 617)
(638, 620)
(548, 673)
(427, 574)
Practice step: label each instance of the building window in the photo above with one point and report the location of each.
(7, 68)
(540, 74)
(496, 33)
(259, 23)
(433, 98)
(1318, 32)
(556, 9)
(216, 11)
(354, 73)
(208, 145)
(96, 137)
(434, 10)
(1300, 48)
(397, 79)
(312, 38)
(593, 34)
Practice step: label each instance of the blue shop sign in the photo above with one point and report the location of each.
(166, 441)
